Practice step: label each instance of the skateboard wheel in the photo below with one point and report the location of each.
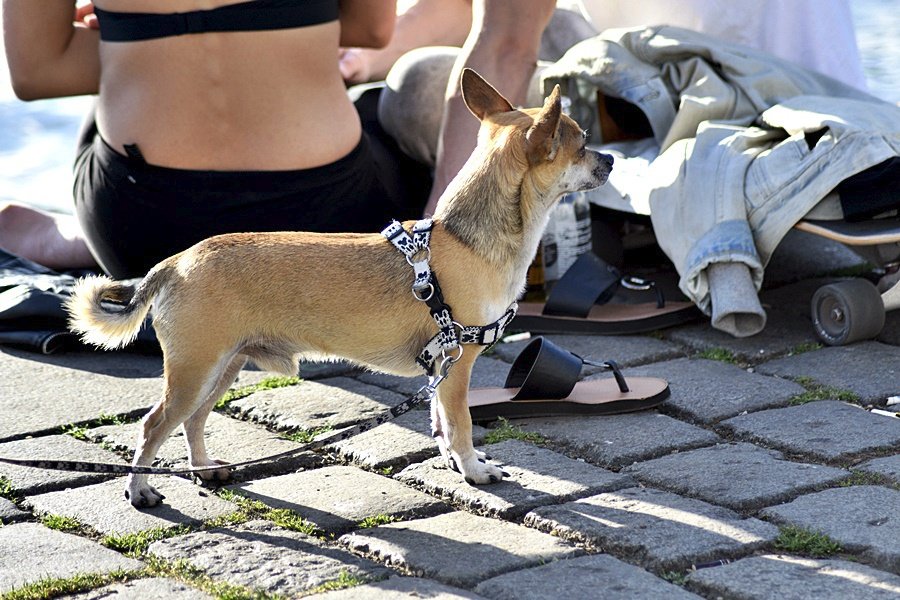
(847, 311)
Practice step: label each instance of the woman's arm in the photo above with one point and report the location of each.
(424, 23)
(48, 55)
(367, 23)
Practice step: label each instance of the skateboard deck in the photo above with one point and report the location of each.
(863, 233)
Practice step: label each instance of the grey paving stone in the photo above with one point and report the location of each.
(794, 578)
(401, 588)
(788, 327)
(397, 443)
(862, 518)
(739, 476)
(145, 589)
(103, 506)
(263, 557)
(827, 429)
(28, 480)
(889, 466)
(658, 530)
(869, 369)
(627, 350)
(708, 391)
(335, 402)
(30, 552)
(226, 438)
(538, 476)
(10, 513)
(336, 499)
(595, 576)
(39, 394)
(619, 440)
(457, 548)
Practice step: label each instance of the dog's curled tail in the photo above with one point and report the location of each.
(96, 308)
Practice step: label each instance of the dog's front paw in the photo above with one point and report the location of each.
(476, 471)
(212, 475)
(142, 494)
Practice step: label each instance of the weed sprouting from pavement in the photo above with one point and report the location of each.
(269, 383)
(816, 391)
(507, 431)
(798, 540)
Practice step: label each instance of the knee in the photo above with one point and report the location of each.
(514, 28)
(411, 105)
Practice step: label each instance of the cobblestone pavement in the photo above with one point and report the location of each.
(766, 474)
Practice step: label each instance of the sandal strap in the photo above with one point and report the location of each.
(610, 365)
(544, 371)
(590, 280)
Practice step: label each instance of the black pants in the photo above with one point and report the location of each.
(135, 214)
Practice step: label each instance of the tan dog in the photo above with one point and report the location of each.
(276, 297)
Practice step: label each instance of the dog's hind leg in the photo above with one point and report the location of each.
(456, 424)
(187, 383)
(196, 423)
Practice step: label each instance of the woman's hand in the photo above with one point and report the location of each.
(355, 65)
(84, 15)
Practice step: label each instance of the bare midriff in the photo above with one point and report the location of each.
(227, 101)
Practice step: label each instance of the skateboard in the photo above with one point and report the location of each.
(851, 310)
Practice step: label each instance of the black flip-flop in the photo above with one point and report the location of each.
(579, 303)
(543, 382)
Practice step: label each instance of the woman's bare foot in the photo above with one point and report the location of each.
(50, 239)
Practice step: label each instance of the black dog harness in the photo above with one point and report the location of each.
(426, 289)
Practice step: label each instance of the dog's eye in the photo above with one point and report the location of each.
(585, 134)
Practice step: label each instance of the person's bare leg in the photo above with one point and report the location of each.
(502, 47)
(50, 239)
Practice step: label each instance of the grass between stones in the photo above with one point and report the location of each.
(187, 573)
(79, 432)
(344, 580)
(798, 540)
(269, 383)
(61, 523)
(377, 520)
(249, 509)
(719, 354)
(53, 587)
(507, 431)
(7, 490)
(866, 478)
(803, 348)
(135, 544)
(305, 436)
(816, 391)
(676, 577)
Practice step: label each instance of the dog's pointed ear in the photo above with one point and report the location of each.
(481, 97)
(543, 137)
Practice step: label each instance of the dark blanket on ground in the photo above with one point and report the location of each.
(31, 308)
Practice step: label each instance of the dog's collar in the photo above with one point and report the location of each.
(426, 289)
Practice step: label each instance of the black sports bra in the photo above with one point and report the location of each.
(255, 15)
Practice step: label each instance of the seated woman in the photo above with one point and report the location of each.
(217, 118)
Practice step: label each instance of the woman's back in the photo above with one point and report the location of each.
(232, 100)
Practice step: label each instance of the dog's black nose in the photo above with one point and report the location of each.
(608, 159)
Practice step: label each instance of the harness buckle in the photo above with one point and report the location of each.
(426, 297)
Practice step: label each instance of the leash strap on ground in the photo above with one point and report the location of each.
(424, 393)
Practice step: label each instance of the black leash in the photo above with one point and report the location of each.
(426, 392)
